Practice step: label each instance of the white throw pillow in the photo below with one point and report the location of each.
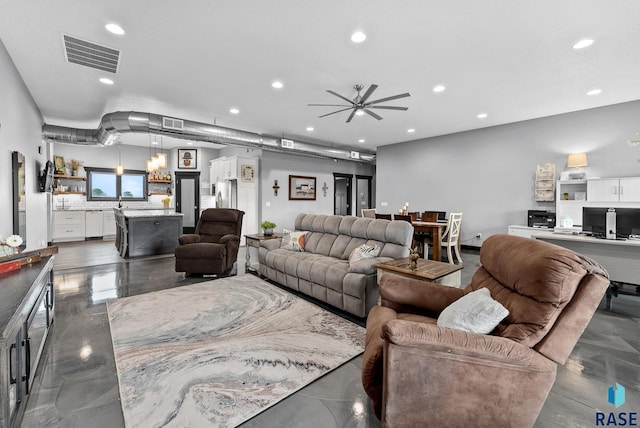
(475, 312)
(292, 240)
(362, 252)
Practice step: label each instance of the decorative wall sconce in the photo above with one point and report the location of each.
(324, 189)
(275, 187)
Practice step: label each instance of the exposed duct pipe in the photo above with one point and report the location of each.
(114, 124)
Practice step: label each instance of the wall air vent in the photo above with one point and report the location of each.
(171, 123)
(89, 54)
(286, 144)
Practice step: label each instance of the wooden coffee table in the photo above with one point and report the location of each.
(427, 270)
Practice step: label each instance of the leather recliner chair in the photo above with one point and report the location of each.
(419, 374)
(213, 248)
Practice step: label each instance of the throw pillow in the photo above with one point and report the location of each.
(362, 252)
(292, 240)
(475, 312)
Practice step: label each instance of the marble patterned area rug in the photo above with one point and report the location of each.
(219, 352)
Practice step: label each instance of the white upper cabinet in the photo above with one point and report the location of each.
(614, 190)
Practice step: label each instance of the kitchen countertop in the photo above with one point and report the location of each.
(151, 213)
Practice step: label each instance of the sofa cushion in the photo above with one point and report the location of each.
(293, 240)
(362, 252)
(475, 312)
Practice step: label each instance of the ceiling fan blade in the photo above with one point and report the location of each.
(337, 111)
(390, 107)
(367, 94)
(372, 114)
(395, 97)
(330, 105)
(351, 116)
(339, 96)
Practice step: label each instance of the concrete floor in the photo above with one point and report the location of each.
(76, 384)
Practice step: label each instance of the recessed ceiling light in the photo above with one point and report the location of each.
(411, 130)
(482, 115)
(154, 142)
(583, 44)
(358, 37)
(106, 81)
(594, 92)
(309, 128)
(189, 143)
(277, 84)
(115, 29)
(234, 110)
(361, 140)
(359, 112)
(439, 88)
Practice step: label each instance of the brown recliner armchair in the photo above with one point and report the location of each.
(419, 374)
(213, 248)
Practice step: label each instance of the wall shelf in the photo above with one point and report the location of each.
(70, 177)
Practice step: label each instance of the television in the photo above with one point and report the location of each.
(627, 221)
(46, 179)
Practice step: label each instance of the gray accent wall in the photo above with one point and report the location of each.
(20, 130)
(488, 174)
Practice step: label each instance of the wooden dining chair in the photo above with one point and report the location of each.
(415, 215)
(383, 216)
(451, 236)
(402, 217)
(368, 212)
(425, 238)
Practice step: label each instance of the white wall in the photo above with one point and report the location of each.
(20, 130)
(278, 166)
(489, 174)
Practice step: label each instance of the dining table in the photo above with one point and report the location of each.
(435, 228)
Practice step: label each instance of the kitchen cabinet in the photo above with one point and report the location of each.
(108, 223)
(614, 190)
(93, 224)
(26, 316)
(68, 226)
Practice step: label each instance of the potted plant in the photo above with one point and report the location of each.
(267, 227)
(74, 164)
(165, 201)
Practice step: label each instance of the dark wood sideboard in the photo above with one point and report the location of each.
(26, 315)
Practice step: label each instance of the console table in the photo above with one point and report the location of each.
(26, 316)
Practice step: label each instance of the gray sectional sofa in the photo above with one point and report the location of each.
(323, 269)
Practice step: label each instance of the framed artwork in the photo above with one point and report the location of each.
(302, 188)
(58, 162)
(187, 158)
(247, 173)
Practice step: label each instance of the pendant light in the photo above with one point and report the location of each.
(161, 157)
(119, 165)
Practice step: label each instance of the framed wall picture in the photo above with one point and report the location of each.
(247, 173)
(187, 158)
(58, 163)
(302, 188)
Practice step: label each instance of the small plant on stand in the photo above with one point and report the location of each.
(74, 165)
(267, 227)
(165, 201)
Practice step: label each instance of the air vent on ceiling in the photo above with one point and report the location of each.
(286, 144)
(171, 123)
(89, 54)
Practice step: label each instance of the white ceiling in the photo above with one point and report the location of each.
(198, 58)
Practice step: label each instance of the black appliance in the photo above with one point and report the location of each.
(541, 218)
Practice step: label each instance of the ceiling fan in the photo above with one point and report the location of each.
(360, 103)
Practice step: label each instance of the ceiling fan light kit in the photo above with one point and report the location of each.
(360, 104)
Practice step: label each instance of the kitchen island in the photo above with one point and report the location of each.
(147, 232)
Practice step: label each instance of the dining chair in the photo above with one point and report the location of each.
(425, 238)
(415, 215)
(368, 212)
(383, 216)
(451, 236)
(402, 217)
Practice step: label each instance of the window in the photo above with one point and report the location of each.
(104, 185)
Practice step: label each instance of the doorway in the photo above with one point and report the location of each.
(342, 193)
(188, 199)
(363, 192)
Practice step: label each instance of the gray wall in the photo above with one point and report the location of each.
(20, 130)
(278, 166)
(489, 174)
